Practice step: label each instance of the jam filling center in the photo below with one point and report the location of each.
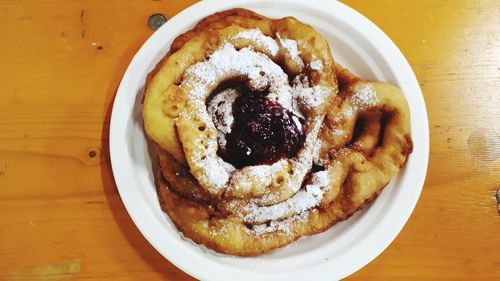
(262, 131)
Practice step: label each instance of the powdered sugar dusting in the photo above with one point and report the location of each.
(346, 114)
(261, 175)
(284, 97)
(281, 216)
(255, 35)
(223, 64)
(263, 74)
(316, 65)
(283, 225)
(218, 231)
(220, 109)
(216, 172)
(291, 47)
(227, 63)
(309, 96)
(338, 132)
(316, 153)
(364, 97)
(305, 199)
(301, 164)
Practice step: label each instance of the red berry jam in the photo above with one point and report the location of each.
(262, 133)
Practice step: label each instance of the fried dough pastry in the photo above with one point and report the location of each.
(253, 54)
(262, 138)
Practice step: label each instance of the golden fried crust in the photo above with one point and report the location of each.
(205, 23)
(362, 168)
(173, 115)
(365, 136)
(185, 184)
(230, 236)
(167, 139)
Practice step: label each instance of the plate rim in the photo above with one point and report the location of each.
(117, 128)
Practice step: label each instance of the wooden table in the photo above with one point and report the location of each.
(61, 214)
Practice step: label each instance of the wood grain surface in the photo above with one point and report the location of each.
(61, 214)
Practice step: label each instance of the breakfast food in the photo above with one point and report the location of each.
(261, 138)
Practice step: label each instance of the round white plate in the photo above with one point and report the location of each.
(357, 44)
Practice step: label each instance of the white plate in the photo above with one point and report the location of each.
(357, 44)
